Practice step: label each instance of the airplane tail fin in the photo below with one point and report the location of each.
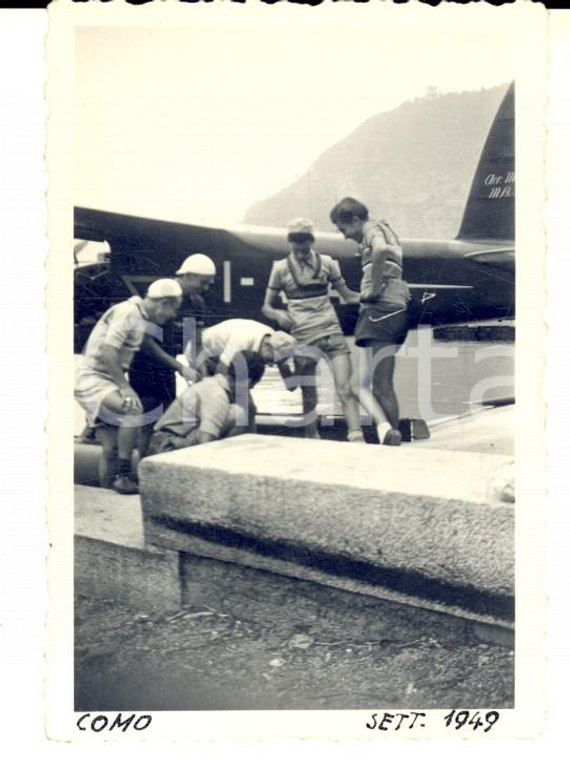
(490, 210)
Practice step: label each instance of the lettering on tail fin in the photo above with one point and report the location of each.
(490, 210)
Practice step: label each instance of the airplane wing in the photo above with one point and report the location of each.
(451, 281)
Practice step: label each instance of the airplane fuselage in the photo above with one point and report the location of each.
(451, 281)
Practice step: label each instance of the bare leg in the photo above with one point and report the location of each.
(107, 437)
(145, 434)
(127, 432)
(127, 441)
(287, 375)
(383, 389)
(361, 382)
(341, 370)
(306, 370)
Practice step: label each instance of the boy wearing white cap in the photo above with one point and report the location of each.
(152, 372)
(112, 406)
(304, 277)
(196, 274)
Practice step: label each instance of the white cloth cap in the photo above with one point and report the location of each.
(300, 226)
(198, 263)
(164, 289)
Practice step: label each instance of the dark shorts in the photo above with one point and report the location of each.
(381, 325)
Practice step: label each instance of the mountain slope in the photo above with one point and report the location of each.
(413, 166)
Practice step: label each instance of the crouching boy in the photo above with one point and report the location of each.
(102, 388)
(215, 407)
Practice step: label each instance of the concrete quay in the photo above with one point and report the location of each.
(420, 530)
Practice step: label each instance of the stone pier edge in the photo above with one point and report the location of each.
(114, 571)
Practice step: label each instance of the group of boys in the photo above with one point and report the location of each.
(126, 379)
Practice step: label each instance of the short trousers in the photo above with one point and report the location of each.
(381, 325)
(91, 389)
(331, 346)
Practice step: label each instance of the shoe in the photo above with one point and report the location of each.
(393, 438)
(125, 485)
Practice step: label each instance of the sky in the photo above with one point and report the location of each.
(197, 123)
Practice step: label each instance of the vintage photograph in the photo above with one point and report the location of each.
(293, 367)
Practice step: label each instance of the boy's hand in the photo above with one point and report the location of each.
(373, 294)
(291, 382)
(131, 402)
(188, 373)
(285, 321)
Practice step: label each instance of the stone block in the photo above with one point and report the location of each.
(111, 559)
(145, 579)
(424, 525)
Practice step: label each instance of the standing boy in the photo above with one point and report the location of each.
(382, 325)
(304, 277)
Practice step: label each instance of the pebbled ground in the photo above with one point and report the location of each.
(206, 659)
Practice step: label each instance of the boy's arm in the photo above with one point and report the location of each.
(125, 324)
(277, 315)
(347, 295)
(233, 346)
(289, 377)
(152, 348)
(193, 349)
(270, 301)
(339, 284)
(379, 253)
(112, 361)
(193, 324)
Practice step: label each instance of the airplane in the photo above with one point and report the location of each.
(468, 278)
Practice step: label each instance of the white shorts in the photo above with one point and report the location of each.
(91, 389)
